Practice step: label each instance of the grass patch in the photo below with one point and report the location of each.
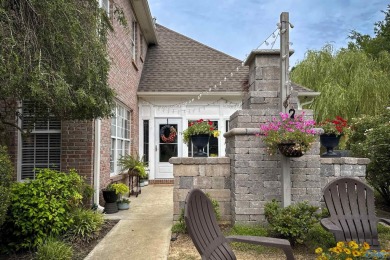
(249, 230)
(384, 236)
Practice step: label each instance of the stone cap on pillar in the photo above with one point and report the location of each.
(263, 52)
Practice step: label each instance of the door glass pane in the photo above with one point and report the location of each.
(168, 142)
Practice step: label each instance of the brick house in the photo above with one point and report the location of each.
(161, 78)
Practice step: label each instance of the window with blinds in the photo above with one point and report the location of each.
(42, 147)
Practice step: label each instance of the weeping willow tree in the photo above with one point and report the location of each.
(351, 82)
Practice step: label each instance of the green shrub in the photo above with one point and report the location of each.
(371, 138)
(292, 222)
(180, 226)
(378, 170)
(41, 207)
(86, 225)
(319, 237)
(6, 169)
(54, 249)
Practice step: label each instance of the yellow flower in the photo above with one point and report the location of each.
(318, 250)
(340, 244)
(347, 251)
(366, 246)
(348, 258)
(216, 133)
(353, 245)
(356, 253)
(336, 250)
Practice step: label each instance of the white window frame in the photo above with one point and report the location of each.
(50, 131)
(133, 41)
(105, 4)
(120, 137)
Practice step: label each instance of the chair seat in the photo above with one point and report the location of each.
(202, 226)
(352, 211)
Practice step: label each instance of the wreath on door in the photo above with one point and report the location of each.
(168, 134)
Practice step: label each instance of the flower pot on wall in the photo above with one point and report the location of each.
(200, 141)
(330, 142)
(290, 149)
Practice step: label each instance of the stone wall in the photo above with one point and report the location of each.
(211, 175)
(332, 168)
(254, 177)
(242, 195)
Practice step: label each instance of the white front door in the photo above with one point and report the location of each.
(168, 145)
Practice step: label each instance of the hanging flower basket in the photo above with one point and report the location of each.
(290, 149)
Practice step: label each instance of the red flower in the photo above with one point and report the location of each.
(210, 123)
(211, 128)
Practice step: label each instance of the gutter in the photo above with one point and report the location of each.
(96, 167)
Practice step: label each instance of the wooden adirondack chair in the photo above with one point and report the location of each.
(204, 231)
(352, 211)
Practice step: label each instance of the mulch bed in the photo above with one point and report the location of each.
(80, 249)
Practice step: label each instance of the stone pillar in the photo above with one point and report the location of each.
(255, 175)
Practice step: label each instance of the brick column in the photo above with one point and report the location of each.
(255, 175)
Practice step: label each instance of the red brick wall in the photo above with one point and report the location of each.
(124, 78)
(77, 148)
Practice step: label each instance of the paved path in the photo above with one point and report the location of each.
(144, 231)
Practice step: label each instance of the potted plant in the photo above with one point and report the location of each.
(199, 133)
(144, 180)
(291, 136)
(121, 189)
(133, 163)
(333, 130)
(109, 194)
(123, 204)
(136, 169)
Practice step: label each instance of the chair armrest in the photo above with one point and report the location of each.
(384, 220)
(265, 241)
(329, 225)
(333, 228)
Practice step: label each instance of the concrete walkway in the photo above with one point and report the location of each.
(144, 231)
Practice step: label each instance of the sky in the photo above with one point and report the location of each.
(236, 27)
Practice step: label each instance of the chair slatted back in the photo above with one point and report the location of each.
(351, 206)
(202, 226)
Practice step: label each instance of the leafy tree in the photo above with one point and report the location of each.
(6, 170)
(351, 82)
(54, 54)
(373, 45)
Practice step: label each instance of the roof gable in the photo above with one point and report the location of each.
(179, 63)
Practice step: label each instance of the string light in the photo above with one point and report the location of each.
(267, 42)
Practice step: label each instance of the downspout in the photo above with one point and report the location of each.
(96, 168)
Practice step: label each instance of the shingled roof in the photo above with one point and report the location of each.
(179, 64)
